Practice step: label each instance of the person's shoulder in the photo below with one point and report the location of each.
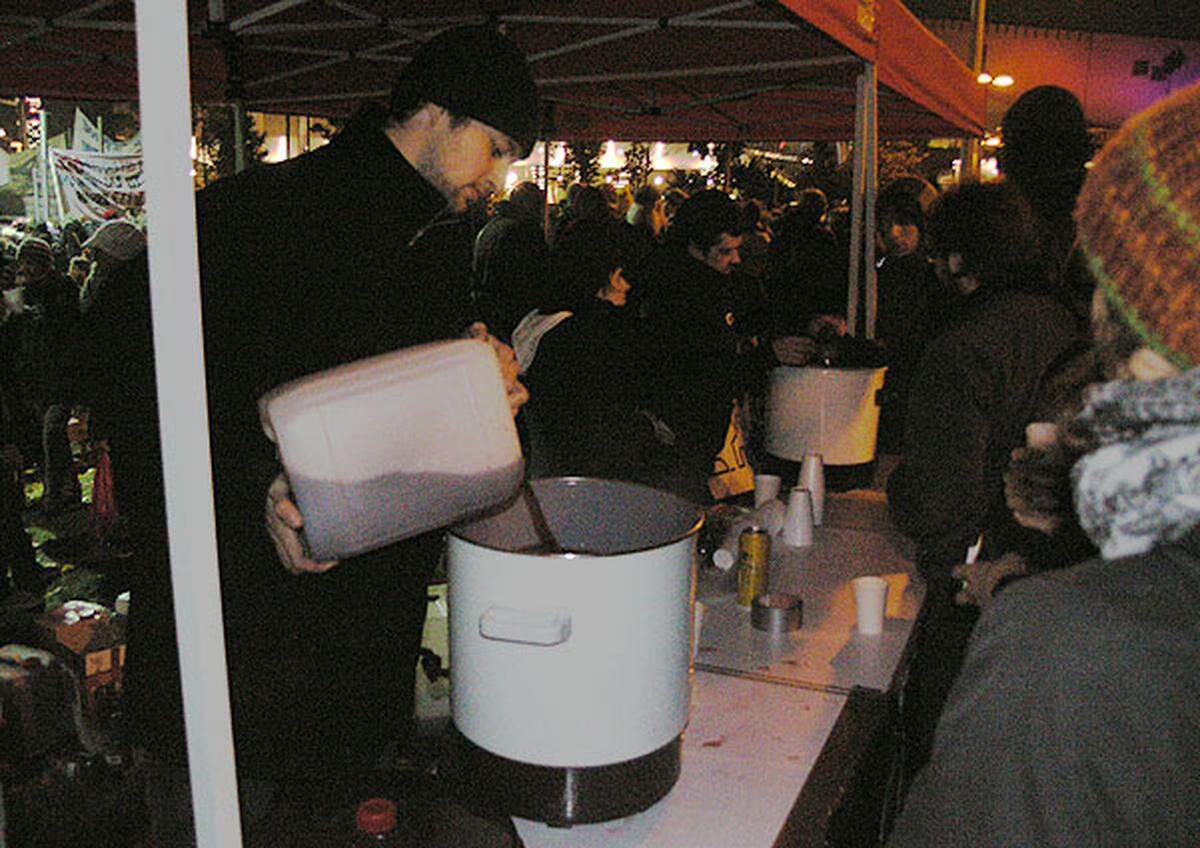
(1100, 616)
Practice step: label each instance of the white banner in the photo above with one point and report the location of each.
(86, 138)
(89, 138)
(94, 185)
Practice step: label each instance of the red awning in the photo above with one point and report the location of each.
(667, 69)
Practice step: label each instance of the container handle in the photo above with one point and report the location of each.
(527, 627)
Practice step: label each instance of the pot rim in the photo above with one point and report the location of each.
(574, 480)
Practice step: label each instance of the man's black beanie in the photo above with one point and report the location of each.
(477, 72)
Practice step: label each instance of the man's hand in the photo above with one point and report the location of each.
(509, 367)
(979, 579)
(284, 523)
(794, 350)
(1037, 484)
(827, 323)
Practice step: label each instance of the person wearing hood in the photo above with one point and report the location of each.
(1074, 722)
(113, 244)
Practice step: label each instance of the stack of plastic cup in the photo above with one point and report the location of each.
(798, 520)
(812, 477)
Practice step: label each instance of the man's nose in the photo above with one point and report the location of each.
(499, 173)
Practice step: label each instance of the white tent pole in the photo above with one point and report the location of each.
(856, 199)
(35, 181)
(43, 121)
(58, 192)
(871, 164)
(162, 42)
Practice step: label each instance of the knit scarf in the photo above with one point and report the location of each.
(1141, 486)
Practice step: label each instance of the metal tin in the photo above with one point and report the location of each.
(776, 613)
(754, 564)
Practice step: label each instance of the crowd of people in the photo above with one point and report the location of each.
(640, 335)
(49, 278)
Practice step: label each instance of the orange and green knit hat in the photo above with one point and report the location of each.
(1139, 225)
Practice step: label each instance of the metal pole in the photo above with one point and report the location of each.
(162, 45)
(856, 199)
(871, 174)
(969, 167)
(100, 131)
(239, 139)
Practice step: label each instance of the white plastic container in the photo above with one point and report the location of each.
(830, 411)
(389, 447)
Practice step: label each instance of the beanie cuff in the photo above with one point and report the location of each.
(1129, 315)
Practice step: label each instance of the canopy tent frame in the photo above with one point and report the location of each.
(249, 57)
(165, 91)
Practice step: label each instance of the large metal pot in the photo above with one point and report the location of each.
(570, 671)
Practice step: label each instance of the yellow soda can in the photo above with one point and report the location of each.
(753, 565)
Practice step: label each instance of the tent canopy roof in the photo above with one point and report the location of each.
(665, 69)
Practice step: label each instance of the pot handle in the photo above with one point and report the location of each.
(528, 627)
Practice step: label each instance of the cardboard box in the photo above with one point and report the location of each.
(90, 639)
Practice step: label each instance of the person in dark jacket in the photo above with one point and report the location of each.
(52, 304)
(807, 274)
(973, 392)
(698, 356)
(1074, 720)
(511, 259)
(1045, 154)
(578, 353)
(303, 267)
(908, 293)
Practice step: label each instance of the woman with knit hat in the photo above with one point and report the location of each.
(1074, 719)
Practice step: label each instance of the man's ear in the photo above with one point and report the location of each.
(434, 114)
(1148, 364)
(962, 279)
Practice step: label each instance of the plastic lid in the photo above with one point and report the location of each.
(723, 559)
(376, 816)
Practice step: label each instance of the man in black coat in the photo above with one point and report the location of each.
(303, 267)
(698, 355)
(511, 260)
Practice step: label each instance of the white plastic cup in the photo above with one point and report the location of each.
(812, 477)
(870, 603)
(766, 488)
(769, 516)
(798, 521)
